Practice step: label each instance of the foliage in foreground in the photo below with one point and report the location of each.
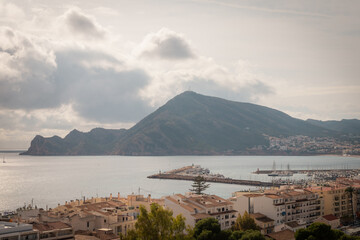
(245, 223)
(322, 231)
(159, 224)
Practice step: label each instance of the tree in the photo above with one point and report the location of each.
(319, 231)
(199, 185)
(252, 235)
(207, 229)
(158, 224)
(245, 222)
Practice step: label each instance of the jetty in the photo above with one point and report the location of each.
(189, 173)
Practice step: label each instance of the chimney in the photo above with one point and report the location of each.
(118, 196)
(149, 198)
(110, 196)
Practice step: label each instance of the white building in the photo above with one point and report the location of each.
(196, 207)
(284, 205)
(17, 231)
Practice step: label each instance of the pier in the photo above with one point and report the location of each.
(189, 173)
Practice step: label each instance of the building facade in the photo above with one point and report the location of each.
(197, 207)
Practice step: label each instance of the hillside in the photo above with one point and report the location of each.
(98, 141)
(188, 124)
(345, 126)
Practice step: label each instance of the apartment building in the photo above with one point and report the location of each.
(337, 200)
(282, 205)
(196, 207)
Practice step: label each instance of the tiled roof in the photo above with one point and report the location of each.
(330, 217)
(50, 226)
(282, 235)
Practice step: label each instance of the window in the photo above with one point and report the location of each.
(87, 224)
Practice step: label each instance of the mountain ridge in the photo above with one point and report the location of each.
(188, 124)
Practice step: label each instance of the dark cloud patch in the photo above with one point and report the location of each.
(104, 95)
(99, 86)
(166, 44)
(26, 73)
(80, 24)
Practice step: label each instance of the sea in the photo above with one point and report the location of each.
(46, 181)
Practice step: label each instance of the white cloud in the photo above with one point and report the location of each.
(198, 73)
(80, 25)
(11, 12)
(165, 44)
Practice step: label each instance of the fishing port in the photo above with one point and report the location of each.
(189, 173)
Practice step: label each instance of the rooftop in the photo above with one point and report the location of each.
(42, 227)
(282, 235)
(330, 217)
(11, 227)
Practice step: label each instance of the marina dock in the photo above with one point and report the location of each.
(189, 173)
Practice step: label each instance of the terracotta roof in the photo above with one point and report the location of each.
(330, 217)
(253, 195)
(282, 235)
(85, 237)
(294, 224)
(188, 206)
(42, 227)
(200, 215)
(261, 217)
(273, 196)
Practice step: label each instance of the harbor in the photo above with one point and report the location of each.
(189, 173)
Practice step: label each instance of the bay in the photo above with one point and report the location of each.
(50, 180)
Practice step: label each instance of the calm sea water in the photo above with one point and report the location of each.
(53, 180)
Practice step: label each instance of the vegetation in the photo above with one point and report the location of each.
(321, 231)
(199, 185)
(245, 223)
(159, 224)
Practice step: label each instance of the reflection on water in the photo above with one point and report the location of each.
(53, 180)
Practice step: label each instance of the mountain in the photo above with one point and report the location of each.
(98, 141)
(345, 126)
(188, 124)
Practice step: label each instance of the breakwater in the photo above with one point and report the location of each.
(189, 173)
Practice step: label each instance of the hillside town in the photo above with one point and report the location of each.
(313, 145)
(278, 212)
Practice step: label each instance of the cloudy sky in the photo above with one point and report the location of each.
(85, 64)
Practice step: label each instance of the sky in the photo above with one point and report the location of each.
(82, 64)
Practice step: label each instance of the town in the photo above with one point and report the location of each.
(313, 145)
(277, 211)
